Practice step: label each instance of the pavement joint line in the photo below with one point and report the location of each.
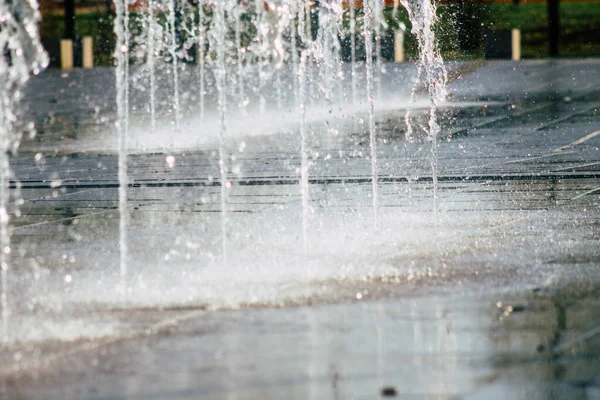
(578, 141)
(586, 193)
(532, 158)
(576, 166)
(330, 181)
(461, 131)
(578, 339)
(566, 117)
(16, 228)
(555, 82)
(515, 161)
(46, 198)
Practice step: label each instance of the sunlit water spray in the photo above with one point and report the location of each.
(122, 55)
(304, 187)
(251, 54)
(150, 60)
(431, 73)
(368, 33)
(219, 39)
(173, 22)
(238, 11)
(201, 58)
(353, 72)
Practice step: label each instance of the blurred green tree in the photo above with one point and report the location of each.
(469, 16)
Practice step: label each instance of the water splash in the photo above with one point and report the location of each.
(377, 25)
(304, 184)
(251, 52)
(201, 57)
(219, 38)
(21, 54)
(368, 34)
(174, 50)
(431, 72)
(121, 56)
(238, 11)
(353, 72)
(150, 61)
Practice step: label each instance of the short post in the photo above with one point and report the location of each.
(66, 54)
(88, 52)
(399, 45)
(516, 44)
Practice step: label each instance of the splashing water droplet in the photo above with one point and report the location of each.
(170, 161)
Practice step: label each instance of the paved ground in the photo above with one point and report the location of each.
(411, 303)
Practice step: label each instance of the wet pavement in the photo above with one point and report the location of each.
(491, 292)
(540, 343)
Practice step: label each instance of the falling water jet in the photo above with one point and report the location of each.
(279, 55)
(174, 62)
(422, 14)
(339, 27)
(324, 43)
(239, 53)
(302, 22)
(127, 35)
(21, 54)
(303, 150)
(305, 27)
(411, 102)
(303, 76)
(378, 17)
(152, 63)
(220, 33)
(201, 56)
(294, 48)
(121, 55)
(332, 28)
(367, 31)
(353, 49)
(224, 65)
(259, 21)
(278, 89)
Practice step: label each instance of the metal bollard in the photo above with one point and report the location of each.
(516, 44)
(66, 54)
(88, 52)
(399, 45)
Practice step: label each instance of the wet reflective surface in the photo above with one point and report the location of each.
(490, 292)
(537, 344)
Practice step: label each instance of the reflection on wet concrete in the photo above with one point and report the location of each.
(532, 345)
(565, 362)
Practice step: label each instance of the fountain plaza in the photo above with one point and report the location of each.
(287, 224)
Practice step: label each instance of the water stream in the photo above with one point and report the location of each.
(151, 38)
(219, 38)
(368, 33)
(256, 46)
(256, 54)
(431, 73)
(21, 54)
(173, 11)
(122, 55)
